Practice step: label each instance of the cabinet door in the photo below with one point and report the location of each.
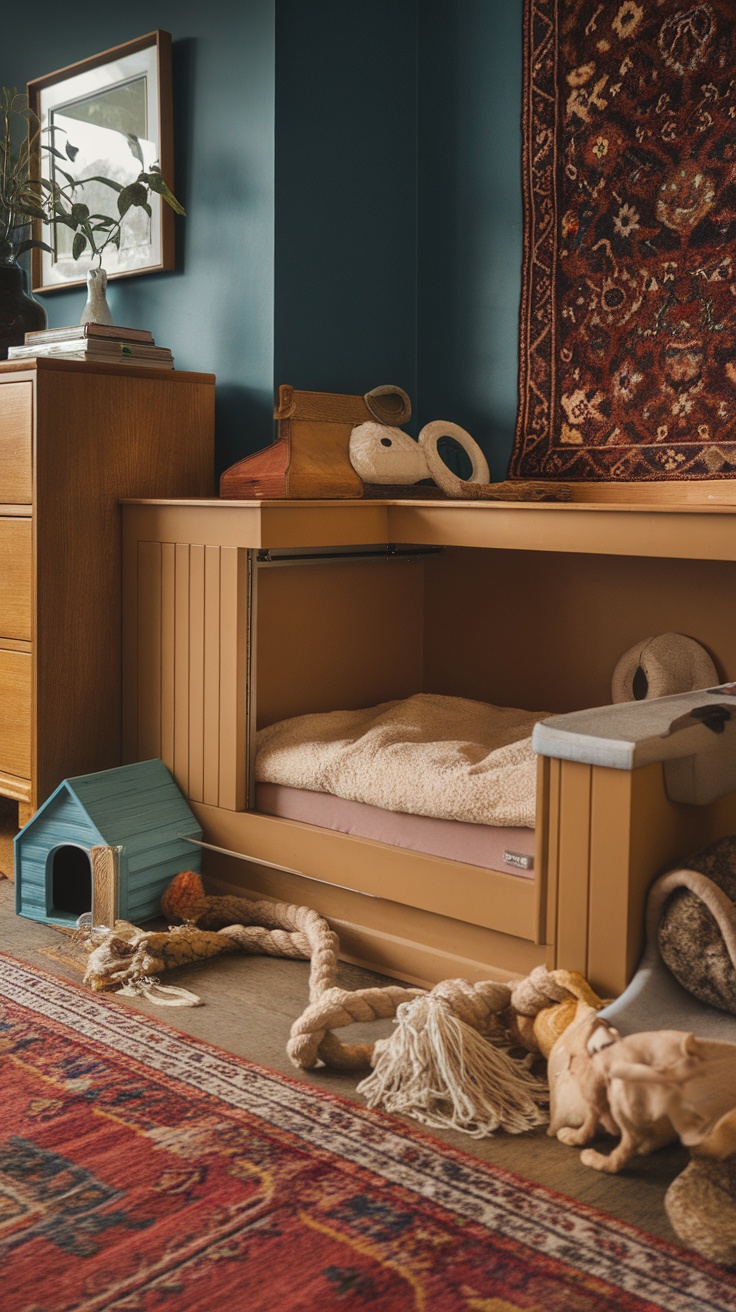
(15, 713)
(15, 578)
(16, 443)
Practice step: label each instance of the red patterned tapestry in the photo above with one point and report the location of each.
(144, 1171)
(628, 312)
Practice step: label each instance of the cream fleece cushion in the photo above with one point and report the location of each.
(447, 757)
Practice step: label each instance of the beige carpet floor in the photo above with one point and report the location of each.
(249, 1006)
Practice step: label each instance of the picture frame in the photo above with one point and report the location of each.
(116, 110)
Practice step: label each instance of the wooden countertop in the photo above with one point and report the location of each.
(694, 529)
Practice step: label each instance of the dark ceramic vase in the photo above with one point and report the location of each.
(19, 312)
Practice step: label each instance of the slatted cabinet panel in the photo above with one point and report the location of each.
(191, 658)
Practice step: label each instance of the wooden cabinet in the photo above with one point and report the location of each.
(16, 442)
(74, 439)
(239, 613)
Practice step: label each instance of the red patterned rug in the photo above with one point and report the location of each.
(628, 316)
(142, 1170)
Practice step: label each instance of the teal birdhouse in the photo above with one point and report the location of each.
(136, 816)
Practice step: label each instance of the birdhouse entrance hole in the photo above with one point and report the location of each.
(70, 884)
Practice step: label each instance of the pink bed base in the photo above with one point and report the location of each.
(475, 845)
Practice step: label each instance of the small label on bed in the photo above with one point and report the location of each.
(519, 859)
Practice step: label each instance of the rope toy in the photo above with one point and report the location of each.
(448, 1061)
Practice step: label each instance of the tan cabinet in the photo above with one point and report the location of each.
(75, 438)
(238, 614)
(16, 440)
(16, 563)
(15, 713)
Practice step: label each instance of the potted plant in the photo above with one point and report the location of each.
(30, 195)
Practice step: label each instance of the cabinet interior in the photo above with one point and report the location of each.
(514, 628)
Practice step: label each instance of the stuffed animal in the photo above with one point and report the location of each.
(648, 1089)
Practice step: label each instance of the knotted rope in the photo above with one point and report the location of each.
(438, 1061)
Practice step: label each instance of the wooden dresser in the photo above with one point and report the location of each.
(74, 438)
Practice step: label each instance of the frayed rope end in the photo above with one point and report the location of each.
(440, 1071)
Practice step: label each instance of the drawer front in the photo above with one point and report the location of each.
(15, 578)
(16, 443)
(15, 713)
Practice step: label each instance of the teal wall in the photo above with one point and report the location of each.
(351, 174)
(470, 220)
(216, 310)
(346, 194)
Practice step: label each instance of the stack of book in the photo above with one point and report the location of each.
(100, 342)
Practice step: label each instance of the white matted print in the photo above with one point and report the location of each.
(114, 112)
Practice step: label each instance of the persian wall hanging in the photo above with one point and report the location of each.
(628, 308)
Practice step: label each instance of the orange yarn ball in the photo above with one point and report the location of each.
(185, 897)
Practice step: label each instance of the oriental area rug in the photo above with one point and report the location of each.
(142, 1170)
(628, 312)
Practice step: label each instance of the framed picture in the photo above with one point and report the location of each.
(109, 116)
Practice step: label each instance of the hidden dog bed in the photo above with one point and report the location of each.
(441, 775)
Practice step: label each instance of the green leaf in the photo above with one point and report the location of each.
(32, 244)
(80, 241)
(157, 184)
(109, 182)
(72, 181)
(80, 212)
(134, 194)
(72, 151)
(30, 210)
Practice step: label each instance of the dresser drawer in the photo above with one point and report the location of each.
(15, 578)
(16, 443)
(15, 713)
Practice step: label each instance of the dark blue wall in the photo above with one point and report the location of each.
(470, 221)
(351, 175)
(346, 187)
(216, 310)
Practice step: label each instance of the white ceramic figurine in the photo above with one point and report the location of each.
(96, 309)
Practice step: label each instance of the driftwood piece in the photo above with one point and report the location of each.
(519, 489)
(390, 462)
